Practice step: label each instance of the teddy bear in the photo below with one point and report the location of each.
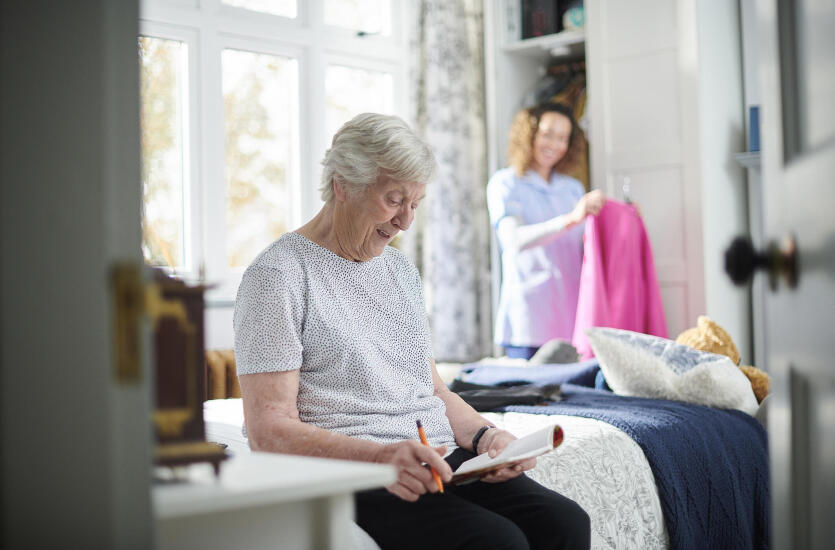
(709, 336)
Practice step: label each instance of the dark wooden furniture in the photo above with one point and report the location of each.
(176, 313)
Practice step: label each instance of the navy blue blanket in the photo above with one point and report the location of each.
(581, 374)
(710, 465)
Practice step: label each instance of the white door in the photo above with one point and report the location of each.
(76, 448)
(798, 153)
(661, 78)
(637, 140)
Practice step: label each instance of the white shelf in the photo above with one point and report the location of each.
(749, 159)
(558, 44)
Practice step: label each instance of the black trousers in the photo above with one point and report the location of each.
(516, 514)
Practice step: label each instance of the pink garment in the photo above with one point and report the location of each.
(618, 284)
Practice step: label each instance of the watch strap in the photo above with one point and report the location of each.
(477, 437)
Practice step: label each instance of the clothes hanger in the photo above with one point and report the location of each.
(625, 190)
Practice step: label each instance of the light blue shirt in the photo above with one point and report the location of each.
(540, 285)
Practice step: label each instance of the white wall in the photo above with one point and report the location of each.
(752, 95)
(750, 47)
(218, 332)
(722, 130)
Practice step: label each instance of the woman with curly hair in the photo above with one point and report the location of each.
(537, 212)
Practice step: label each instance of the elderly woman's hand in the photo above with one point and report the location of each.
(590, 203)
(494, 441)
(413, 478)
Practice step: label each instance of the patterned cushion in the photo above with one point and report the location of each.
(648, 366)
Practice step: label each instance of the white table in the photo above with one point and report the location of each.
(264, 500)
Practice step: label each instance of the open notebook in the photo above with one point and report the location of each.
(534, 444)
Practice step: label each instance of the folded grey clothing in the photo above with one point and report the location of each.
(487, 398)
(555, 351)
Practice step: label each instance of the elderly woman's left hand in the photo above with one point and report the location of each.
(494, 441)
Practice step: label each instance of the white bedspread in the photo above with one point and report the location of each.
(597, 465)
(603, 470)
(224, 420)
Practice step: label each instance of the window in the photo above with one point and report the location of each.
(365, 16)
(285, 8)
(239, 101)
(164, 78)
(259, 92)
(350, 91)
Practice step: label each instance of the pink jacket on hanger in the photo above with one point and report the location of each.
(618, 284)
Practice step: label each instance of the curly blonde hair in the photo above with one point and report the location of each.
(523, 130)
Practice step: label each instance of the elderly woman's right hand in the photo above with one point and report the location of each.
(590, 203)
(413, 478)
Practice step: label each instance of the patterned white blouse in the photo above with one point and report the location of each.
(357, 331)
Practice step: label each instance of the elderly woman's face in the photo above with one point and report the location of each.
(550, 142)
(375, 216)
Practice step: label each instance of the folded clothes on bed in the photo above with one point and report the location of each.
(487, 398)
(710, 465)
(580, 374)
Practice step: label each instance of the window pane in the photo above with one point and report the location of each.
(284, 8)
(369, 16)
(260, 97)
(163, 81)
(351, 91)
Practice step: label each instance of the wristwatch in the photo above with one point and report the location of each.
(477, 437)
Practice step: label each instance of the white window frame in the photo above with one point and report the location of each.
(192, 242)
(208, 27)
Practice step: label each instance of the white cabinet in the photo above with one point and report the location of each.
(265, 500)
(664, 86)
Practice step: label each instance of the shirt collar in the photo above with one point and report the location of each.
(533, 177)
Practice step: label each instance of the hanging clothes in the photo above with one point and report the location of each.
(618, 283)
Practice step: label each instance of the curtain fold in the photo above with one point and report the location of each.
(450, 242)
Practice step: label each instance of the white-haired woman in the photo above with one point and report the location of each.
(334, 358)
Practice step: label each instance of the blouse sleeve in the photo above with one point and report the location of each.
(268, 321)
(577, 189)
(502, 199)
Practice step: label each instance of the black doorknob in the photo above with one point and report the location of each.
(779, 260)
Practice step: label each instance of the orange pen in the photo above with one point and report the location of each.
(435, 474)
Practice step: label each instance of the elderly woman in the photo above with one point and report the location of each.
(334, 357)
(536, 210)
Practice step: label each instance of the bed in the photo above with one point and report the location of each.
(652, 474)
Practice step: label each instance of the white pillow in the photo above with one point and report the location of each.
(642, 365)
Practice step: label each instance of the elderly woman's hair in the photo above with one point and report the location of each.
(371, 146)
(523, 130)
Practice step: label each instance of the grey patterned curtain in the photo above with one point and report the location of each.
(451, 240)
